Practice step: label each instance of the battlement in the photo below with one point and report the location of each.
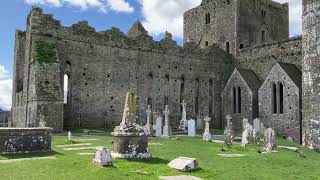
(45, 25)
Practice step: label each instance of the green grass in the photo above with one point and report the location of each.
(69, 165)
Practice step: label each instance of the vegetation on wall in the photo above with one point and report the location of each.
(45, 51)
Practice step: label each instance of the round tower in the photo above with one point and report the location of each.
(311, 73)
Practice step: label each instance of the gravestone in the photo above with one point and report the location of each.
(183, 121)
(148, 126)
(69, 136)
(199, 122)
(184, 164)
(256, 130)
(206, 134)
(247, 133)
(158, 126)
(269, 140)
(167, 132)
(102, 157)
(130, 139)
(228, 132)
(191, 127)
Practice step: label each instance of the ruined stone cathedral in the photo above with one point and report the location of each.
(237, 59)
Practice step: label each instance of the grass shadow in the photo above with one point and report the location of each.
(153, 160)
(30, 155)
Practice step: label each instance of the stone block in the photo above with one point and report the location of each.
(22, 140)
(102, 157)
(184, 164)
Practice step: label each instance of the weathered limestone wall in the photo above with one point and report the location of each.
(103, 66)
(221, 28)
(249, 100)
(261, 59)
(236, 22)
(255, 16)
(311, 73)
(291, 116)
(17, 140)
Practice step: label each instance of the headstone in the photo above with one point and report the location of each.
(102, 157)
(148, 127)
(256, 130)
(206, 134)
(167, 132)
(183, 121)
(158, 126)
(199, 122)
(69, 136)
(184, 164)
(191, 127)
(130, 139)
(228, 132)
(269, 140)
(246, 133)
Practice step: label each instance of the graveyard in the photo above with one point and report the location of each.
(69, 164)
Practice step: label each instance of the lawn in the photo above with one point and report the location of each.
(70, 165)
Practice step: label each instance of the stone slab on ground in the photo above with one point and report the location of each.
(295, 149)
(271, 151)
(26, 159)
(184, 164)
(183, 177)
(231, 155)
(218, 141)
(78, 148)
(73, 145)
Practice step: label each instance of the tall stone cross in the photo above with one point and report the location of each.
(130, 109)
(166, 115)
(148, 112)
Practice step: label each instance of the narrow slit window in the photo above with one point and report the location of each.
(234, 101)
(281, 98)
(210, 97)
(227, 47)
(274, 99)
(66, 89)
(196, 106)
(239, 100)
(263, 38)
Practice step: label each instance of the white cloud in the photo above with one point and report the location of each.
(5, 89)
(161, 16)
(120, 6)
(55, 3)
(167, 15)
(3, 72)
(101, 5)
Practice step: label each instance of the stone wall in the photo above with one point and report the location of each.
(262, 58)
(236, 22)
(311, 73)
(248, 98)
(103, 66)
(290, 118)
(21, 140)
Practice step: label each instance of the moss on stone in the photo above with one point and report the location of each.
(45, 52)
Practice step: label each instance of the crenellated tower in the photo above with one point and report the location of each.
(311, 73)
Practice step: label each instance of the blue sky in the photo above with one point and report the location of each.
(157, 16)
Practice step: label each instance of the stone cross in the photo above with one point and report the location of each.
(206, 134)
(69, 136)
(130, 110)
(269, 140)
(191, 127)
(228, 132)
(148, 126)
(167, 132)
(183, 121)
